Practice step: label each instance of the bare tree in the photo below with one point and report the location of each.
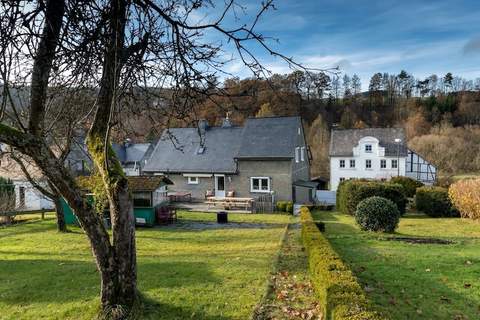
(119, 52)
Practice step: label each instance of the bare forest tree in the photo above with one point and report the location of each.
(123, 54)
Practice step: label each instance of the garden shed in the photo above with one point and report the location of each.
(148, 193)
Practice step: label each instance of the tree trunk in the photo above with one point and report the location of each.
(61, 225)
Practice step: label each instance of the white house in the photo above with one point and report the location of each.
(375, 153)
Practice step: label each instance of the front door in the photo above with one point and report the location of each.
(220, 186)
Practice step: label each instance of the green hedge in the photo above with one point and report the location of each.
(340, 294)
(285, 206)
(409, 185)
(435, 202)
(351, 192)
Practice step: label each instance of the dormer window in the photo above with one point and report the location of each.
(368, 148)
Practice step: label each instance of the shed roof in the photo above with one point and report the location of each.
(342, 141)
(135, 183)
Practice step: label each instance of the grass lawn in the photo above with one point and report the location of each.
(414, 281)
(192, 270)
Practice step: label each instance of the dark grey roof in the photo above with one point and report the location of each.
(272, 137)
(260, 138)
(132, 152)
(177, 151)
(343, 141)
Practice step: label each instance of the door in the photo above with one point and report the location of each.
(220, 186)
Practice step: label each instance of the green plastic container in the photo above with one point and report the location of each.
(144, 216)
(70, 217)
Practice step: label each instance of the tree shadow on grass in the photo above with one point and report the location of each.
(29, 281)
(406, 289)
(26, 228)
(154, 310)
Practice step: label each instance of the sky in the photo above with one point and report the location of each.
(368, 36)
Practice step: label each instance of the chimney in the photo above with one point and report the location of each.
(226, 122)
(127, 142)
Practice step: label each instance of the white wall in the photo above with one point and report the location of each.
(360, 157)
(34, 199)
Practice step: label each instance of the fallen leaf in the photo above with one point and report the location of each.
(467, 285)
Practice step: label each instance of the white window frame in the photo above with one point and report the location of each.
(259, 184)
(368, 161)
(297, 154)
(341, 164)
(352, 161)
(302, 154)
(394, 161)
(368, 148)
(383, 161)
(341, 179)
(192, 180)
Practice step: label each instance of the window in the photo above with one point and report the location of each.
(352, 163)
(142, 199)
(368, 164)
(383, 164)
(192, 180)
(368, 148)
(342, 179)
(297, 154)
(259, 184)
(302, 153)
(342, 163)
(394, 164)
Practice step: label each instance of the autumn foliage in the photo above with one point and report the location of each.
(465, 195)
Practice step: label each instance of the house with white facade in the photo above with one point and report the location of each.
(375, 153)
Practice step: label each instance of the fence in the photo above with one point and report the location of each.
(264, 203)
(326, 197)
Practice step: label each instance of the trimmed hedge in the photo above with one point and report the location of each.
(409, 185)
(285, 206)
(377, 214)
(351, 192)
(434, 202)
(339, 292)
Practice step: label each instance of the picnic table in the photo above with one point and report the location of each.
(230, 202)
(179, 196)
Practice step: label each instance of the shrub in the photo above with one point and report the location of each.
(341, 296)
(285, 206)
(465, 196)
(377, 214)
(289, 207)
(409, 185)
(351, 192)
(434, 202)
(282, 206)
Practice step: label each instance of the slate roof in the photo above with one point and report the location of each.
(132, 152)
(272, 137)
(342, 141)
(177, 151)
(260, 138)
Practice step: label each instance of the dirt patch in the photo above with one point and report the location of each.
(420, 240)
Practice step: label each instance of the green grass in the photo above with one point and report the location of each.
(413, 281)
(187, 271)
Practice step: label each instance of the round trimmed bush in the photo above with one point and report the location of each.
(377, 214)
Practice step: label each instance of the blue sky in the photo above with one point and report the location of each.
(368, 36)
